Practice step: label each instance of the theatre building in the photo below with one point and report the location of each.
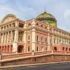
(39, 35)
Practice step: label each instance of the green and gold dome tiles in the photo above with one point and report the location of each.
(46, 17)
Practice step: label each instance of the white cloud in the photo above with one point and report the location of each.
(4, 10)
(67, 14)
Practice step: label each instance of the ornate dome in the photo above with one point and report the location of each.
(48, 18)
(8, 18)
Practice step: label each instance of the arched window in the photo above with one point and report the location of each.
(69, 49)
(29, 24)
(13, 32)
(20, 36)
(21, 25)
(66, 49)
(55, 48)
(13, 24)
(4, 27)
(63, 48)
(46, 49)
(37, 38)
(37, 48)
(10, 25)
(46, 40)
(45, 27)
(28, 48)
(20, 49)
(29, 37)
(0, 49)
(41, 40)
(41, 25)
(1, 28)
(37, 24)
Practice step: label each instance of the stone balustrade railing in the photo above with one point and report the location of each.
(9, 56)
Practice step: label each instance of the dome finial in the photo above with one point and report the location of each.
(45, 9)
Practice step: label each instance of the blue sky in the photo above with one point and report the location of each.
(28, 9)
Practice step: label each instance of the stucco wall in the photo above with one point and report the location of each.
(40, 59)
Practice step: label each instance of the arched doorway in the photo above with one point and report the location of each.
(20, 49)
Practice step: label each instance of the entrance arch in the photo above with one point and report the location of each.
(20, 49)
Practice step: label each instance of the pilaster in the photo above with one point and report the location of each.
(33, 36)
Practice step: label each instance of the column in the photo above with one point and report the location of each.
(0, 49)
(8, 48)
(15, 45)
(52, 48)
(33, 36)
(11, 48)
(2, 38)
(53, 38)
(49, 42)
(16, 36)
(13, 33)
(33, 40)
(24, 40)
(7, 37)
(5, 48)
(11, 39)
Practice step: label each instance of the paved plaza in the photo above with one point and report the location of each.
(59, 66)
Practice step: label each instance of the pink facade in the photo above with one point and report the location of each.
(17, 36)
